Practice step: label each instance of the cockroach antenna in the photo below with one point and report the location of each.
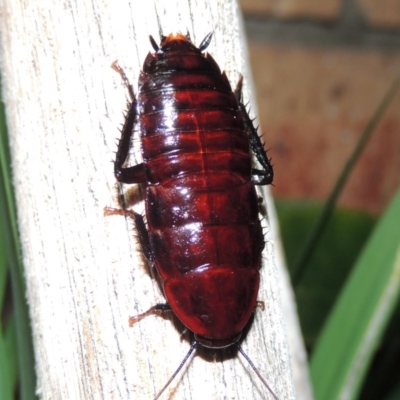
(192, 347)
(160, 31)
(241, 351)
(206, 41)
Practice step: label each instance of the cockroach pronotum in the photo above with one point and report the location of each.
(203, 236)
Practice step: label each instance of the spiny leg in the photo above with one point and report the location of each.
(134, 174)
(144, 241)
(116, 67)
(140, 227)
(266, 175)
(158, 309)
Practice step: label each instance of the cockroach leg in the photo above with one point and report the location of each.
(116, 67)
(117, 211)
(238, 89)
(261, 206)
(134, 174)
(158, 309)
(266, 175)
(261, 177)
(260, 304)
(140, 227)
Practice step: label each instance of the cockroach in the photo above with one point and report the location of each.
(203, 236)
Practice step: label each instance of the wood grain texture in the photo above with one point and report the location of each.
(84, 273)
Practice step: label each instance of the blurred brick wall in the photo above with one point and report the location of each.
(320, 70)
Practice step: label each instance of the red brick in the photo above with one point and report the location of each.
(313, 106)
(382, 13)
(291, 9)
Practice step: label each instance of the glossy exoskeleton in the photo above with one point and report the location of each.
(203, 233)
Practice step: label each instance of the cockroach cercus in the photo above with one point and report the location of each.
(203, 235)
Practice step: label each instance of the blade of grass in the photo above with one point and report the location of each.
(395, 395)
(6, 389)
(8, 362)
(7, 365)
(10, 339)
(313, 238)
(12, 255)
(359, 318)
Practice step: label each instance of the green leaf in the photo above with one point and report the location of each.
(8, 362)
(331, 262)
(11, 259)
(6, 392)
(311, 243)
(395, 394)
(360, 316)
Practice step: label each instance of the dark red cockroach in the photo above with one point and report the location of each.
(203, 235)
